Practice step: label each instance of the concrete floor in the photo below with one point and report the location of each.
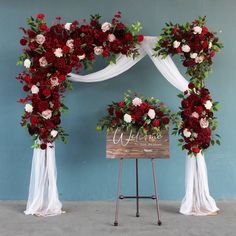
(96, 218)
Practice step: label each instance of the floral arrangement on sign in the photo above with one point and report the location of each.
(138, 113)
(50, 54)
(197, 46)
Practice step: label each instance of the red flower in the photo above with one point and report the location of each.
(106, 53)
(26, 88)
(46, 92)
(185, 103)
(205, 45)
(34, 120)
(43, 27)
(178, 50)
(66, 49)
(110, 110)
(199, 109)
(175, 30)
(121, 104)
(128, 36)
(212, 54)
(196, 150)
(23, 42)
(156, 123)
(191, 85)
(204, 30)
(40, 16)
(140, 38)
(43, 146)
(166, 120)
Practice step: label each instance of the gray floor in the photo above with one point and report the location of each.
(96, 218)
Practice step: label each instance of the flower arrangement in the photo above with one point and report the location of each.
(198, 120)
(194, 42)
(138, 113)
(197, 46)
(50, 54)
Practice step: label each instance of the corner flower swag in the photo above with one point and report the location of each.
(195, 121)
(137, 113)
(50, 54)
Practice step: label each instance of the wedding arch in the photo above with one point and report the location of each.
(45, 83)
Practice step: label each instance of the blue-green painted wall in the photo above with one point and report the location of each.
(83, 171)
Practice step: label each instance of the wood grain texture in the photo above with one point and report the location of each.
(126, 145)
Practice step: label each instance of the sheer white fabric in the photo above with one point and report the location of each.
(43, 196)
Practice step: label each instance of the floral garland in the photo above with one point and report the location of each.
(197, 46)
(51, 53)
(138, 113)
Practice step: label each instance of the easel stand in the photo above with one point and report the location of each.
(137, 197)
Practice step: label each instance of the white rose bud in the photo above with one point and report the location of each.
(27, 63)
(34, 89)
(58, 52)
(127, 118)
(195, 115)
(199, 59)
(197, 30)
(185, 48)
(28, 108)
(54, 81)
(67, 26)
(208, 104)
(111, 37)
(204, 123)
(42, 61)
(210, 45)
(106, 26)
(98, 50)
(70, 43)
(40, 39)
(186, 133)
(151, 114)
(193, 55)
(176, 44)
(54, 133)
(47, 114)
(81, 57)
(137, 101)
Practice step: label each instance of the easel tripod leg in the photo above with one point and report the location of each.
(118, 195)
(137, 190)
(155, 192)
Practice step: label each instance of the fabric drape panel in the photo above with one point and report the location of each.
(43, 195)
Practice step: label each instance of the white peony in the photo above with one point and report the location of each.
(34, 89)
(28, 108)
(67, 26)
(199, 59)
(197, 30)
(27, 63)
(42, 61)
(47, 114)
(176, 44)
(185, 48)
(151, 114)
(186, 133)
(58, 52)
(54, 81)
(54, 133)
(106, 26)
(137, 101)
(111, 37)
(195, 115)
(40, 39)
(204, 123)
(70, 43)
(208, 104)
(193, 55)
(98, 50)
(127, 118)
(81, 57)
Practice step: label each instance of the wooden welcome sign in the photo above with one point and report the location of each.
(136, 145)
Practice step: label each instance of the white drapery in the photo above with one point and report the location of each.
(43, 195)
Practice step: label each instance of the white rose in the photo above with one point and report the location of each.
(199, 59)
(58, 52)
(204, 123)
(185, 48)
(197, 30)
(106, 26)
(176, 44)
(195, 115)
(210, 45)
(208, 104)
(70, 43)
(195, 135)
(54, 133)
(42, 61)
(111, 37)
(27, 63)
(127, 118)
(151, 114)
(186, 133)
(40, 39)
(54, 81)
(28, 108)
(67, 26)
(81, 57)
(193, 55)
(47, 114)
(137, 101)
(98, 50)
(34, 89)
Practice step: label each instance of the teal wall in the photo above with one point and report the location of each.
(83, 171)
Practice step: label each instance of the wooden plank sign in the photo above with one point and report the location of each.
(135, 145)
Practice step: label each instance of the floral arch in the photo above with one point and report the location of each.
(52, 53)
